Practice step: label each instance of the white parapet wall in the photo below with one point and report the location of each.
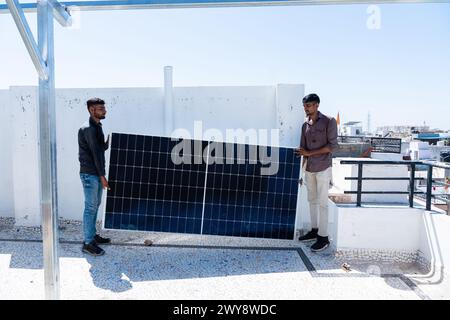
(386, 156)
(130, 110)
(371, 227)
(385, 228)
(434, 250)
(394, 234)
(6, 176)
(25, 155)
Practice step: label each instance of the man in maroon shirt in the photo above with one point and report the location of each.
(318, 141)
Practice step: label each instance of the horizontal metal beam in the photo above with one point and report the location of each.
(61, 13)
(382, 192)
(28, 38)
(174, 4)
(383, 178)
(435, 164)
(381, 162)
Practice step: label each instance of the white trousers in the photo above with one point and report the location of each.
(318, 184)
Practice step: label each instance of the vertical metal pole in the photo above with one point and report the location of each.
(47, 150)
(412, 178)
(358, 194)
(429, 186)
(168, 100)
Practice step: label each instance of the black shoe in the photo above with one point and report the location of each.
(92, 249)
(101, 240)
(321, 244)
(311, 235)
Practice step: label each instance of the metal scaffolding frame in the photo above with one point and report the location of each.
(42, 56)
(174, 4)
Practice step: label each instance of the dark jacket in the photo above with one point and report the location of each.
(91, 148)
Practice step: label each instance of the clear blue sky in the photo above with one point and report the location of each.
(400, 72)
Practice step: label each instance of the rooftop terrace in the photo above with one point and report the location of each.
(196, 267)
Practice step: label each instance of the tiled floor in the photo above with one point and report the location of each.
(195, 267)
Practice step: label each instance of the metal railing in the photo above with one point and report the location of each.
(445, 198)
(428, 194)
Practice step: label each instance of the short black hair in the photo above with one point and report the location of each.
(312, 97)
(93, 101)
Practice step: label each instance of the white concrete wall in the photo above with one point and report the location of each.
(130, 110)
(441, 229)
(381, 228)
(225, 108)
(435, 241)
(387, 156)
(289, 112)
(352, 130)
(340, 171)
(25, 155)
(6, 180)
(134, 110)
(395, 230)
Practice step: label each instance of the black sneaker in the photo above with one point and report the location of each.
(92, 249)
(101, 240)
(311, 235)
(321, 244)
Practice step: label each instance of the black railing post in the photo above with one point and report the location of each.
(412, 178)
(429, 186)
(359, 189)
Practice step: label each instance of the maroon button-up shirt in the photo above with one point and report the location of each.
(318, 135)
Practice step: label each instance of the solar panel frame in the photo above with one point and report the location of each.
(138, 165)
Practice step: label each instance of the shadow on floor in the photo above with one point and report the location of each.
(123, 265)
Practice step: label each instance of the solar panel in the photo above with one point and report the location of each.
(153, 191)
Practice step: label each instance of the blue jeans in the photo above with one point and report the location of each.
(93, 190)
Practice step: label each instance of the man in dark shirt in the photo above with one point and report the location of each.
(318, 141)
(91, 154)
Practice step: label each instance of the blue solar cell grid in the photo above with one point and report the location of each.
(228, 197)
(148, 191)
(241, 202)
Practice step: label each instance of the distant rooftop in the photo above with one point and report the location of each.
(351, 123)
